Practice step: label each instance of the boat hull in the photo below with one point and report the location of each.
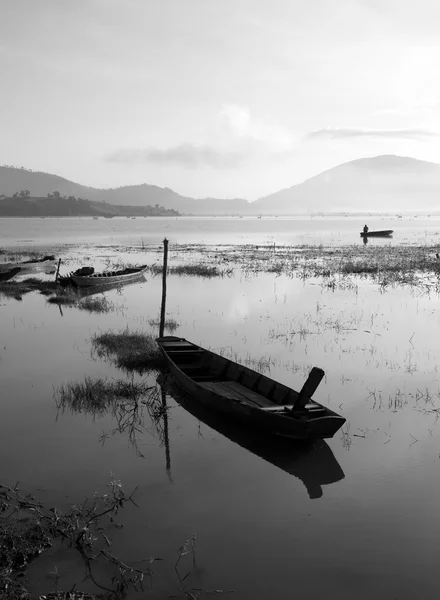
(384, 233)
(7, 275)
(48, 266)
(107, 279)
(272, 413)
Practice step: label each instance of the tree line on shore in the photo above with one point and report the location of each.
(22, 204)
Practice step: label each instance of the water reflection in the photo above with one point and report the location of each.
(312, 462)
(134, 407)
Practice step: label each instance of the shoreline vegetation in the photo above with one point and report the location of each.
(335, 267)
(22, 204)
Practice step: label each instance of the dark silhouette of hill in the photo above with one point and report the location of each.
(29, 206)
(379, 184)
(40, 184)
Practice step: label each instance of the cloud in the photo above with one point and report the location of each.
(341, 133)
(233, 138)
(235, 124)
(186, 155)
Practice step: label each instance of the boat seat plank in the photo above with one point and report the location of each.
(311, 407)
(178, 344)
(236, 391)
(184, 352)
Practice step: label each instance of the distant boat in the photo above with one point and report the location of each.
(107, 278)
(247, 396)
(43, 265)
(6, 275)
(383, 233)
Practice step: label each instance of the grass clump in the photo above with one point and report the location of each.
(21, 540)
(95, 305)
(73, 297)
(198, 270)
(194, 270)
(170, 324)
(17, 289)
(131, 351)
(96, 396)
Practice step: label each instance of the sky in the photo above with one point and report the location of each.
(215, 98)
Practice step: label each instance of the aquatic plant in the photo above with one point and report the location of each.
(129, 350)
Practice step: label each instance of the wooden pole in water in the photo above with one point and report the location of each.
(58, 270)
(164, 287)
(165, 432)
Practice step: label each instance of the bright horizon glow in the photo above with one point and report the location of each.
(215, 99)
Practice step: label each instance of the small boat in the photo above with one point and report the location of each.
(79, 279)
(47, 264)
(383, 233)
(6, 275)
(248, 396)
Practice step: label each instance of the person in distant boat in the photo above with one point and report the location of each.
(365, 229)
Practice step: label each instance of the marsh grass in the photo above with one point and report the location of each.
(125, 400)
(194, 270)
(170, 324)
(19, 255)
(16, 289)
(73, 297)
(129, 350)
(97, 395)
(95, 305)
(338, 267)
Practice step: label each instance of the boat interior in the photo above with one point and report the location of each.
(237, 382)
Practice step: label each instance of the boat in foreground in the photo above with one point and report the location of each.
(246, 395)
(107, 278)
(382, 233)
(47, 264)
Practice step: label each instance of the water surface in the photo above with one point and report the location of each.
(353, 517)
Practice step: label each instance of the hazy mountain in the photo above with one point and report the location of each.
(39, 184)
(378, 184)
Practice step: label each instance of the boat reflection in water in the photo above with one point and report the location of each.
(312, 462)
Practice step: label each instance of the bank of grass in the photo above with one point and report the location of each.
(21, 540)
(73, 297)
(192, 270)
(170, 325)
(96, 396)
(129, 350)
(17, 289)
(385, 265)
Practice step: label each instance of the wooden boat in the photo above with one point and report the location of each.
(109, 278)
(383, 233)
(47, 264)
(6, 275)
(227, 387)
(311, 461)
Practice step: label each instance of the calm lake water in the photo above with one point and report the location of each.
(214, 230)
(352, 517)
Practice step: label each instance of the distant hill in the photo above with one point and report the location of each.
(29, 206)
(39, 184)
(379, 184)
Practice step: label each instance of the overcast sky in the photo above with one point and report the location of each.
(225, 98)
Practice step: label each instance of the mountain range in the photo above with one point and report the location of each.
(386, 183)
